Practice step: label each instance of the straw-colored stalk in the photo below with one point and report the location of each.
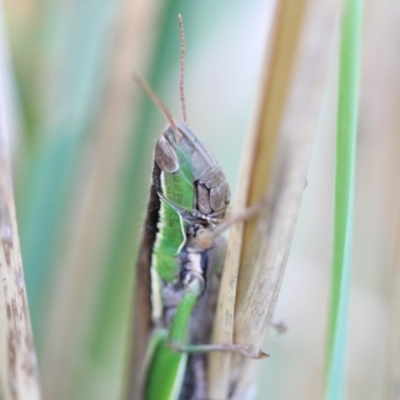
(18, 365)
(275, 162)
(19, 378)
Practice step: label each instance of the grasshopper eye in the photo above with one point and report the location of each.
(165, 156)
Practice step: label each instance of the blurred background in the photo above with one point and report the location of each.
(82, 136)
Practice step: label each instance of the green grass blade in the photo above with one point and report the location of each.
(344, 198)
(50, 172)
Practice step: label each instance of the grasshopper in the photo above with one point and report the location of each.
(181, 253)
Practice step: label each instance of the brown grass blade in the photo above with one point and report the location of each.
(19, 378)
(277, 159)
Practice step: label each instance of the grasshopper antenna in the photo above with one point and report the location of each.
(158, 102)
(182, 69)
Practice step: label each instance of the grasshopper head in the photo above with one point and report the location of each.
(178, 146)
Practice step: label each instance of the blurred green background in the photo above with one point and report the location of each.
(83, 134)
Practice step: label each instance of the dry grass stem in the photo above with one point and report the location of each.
(18, 365)
(267, 240)
(257, 164)
(277, 160)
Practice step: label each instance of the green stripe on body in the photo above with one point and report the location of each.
(178, 188)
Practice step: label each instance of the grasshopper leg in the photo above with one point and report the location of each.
(205, 348)
(180, 322)
(242, 215)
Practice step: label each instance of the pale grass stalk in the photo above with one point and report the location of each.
(277, 159)
(19, 378)
(18, 365)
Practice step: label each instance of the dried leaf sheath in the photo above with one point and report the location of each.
(256, 174)
(260, 286)
(279, 156)
(18, 366)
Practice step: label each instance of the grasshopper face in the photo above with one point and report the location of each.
(212, 193)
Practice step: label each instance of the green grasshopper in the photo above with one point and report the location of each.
(182, 255)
